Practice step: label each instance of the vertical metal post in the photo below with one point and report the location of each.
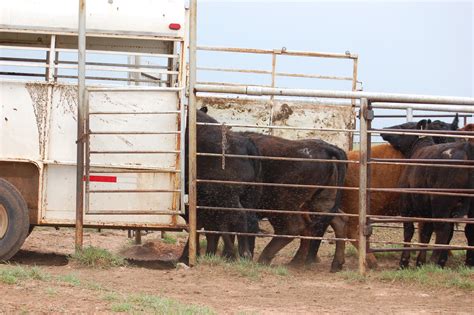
(80, 124)
(192, 134)
(272, 97)
(51, 58)
(409, 114)
(355, 63)
(365, 116)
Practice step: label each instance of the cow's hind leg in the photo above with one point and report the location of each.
(469, 232)
(339, 226)
(408, 231)
(212, 242)
(272, 248)
(444, 232)
(426, 230)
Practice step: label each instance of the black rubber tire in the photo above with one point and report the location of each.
(18, 220)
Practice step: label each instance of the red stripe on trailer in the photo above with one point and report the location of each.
(102, 179)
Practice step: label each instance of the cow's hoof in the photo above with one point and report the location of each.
(372, 262)
(404, 264)
(264, 261)
(336, 266)
(296, 263)
(420, 263)
(313, 260)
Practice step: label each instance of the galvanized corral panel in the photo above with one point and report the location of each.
(117, 17)
(285, 113)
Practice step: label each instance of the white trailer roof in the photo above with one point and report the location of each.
(123, 18)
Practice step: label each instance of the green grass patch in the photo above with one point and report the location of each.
(15, 274)
(352, 276)
(97, 258)
(169, 239)
(70, 279)
(243, 267)
(432, 276)
(156, 305)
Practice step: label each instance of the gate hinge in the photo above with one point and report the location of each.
(369, 114)
(367, 230)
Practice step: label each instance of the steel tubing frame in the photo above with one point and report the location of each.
(368, 101)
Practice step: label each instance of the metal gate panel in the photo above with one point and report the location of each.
(285, 113)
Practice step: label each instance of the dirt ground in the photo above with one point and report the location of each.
(223, 290)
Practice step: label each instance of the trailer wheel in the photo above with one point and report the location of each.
(14, 220)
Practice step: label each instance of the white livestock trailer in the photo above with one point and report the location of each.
(134, 115)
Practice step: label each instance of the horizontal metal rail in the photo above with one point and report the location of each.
(277, 74)
(104, 133)
(136, 113)
(279, 52)
(230, 84)
(371, 96)
(124, 53)
(408, 162)
(423, 191)
(107, 78)
(277, 127)
(428, 245)
(135, 171)
(134, 191)
(424, 248)
(129, 212)
(134, 152)
(276, 211)
(22, 74)
(416, 132)
(420, 191)
(398, 219)
(278, 236)
(276, 158)
(212, 181)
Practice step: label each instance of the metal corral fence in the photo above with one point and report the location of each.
(368, 101)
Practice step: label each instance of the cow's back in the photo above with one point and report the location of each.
(382, 176)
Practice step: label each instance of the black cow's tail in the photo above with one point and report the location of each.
(339, 155)
(252, 193)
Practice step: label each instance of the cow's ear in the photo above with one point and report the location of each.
(455, 123)
(423, 124)
(203, 109)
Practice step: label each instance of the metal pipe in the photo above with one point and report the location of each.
(80, 125)
(279, 236)
(295, 212)
(409, 114)
(283, 52)
(435, 246)
(276, 158)
(363, 174)
(372, 96)
(192, 132)
(278, 127)
(228, 182)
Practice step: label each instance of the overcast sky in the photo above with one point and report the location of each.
(422, 47)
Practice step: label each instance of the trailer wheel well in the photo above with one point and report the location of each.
(25, 177)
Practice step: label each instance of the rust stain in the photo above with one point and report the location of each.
(39, 100)
(67, 100)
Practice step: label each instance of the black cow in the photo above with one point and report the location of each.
(211, 139)
(435, 206)
(305, 199)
